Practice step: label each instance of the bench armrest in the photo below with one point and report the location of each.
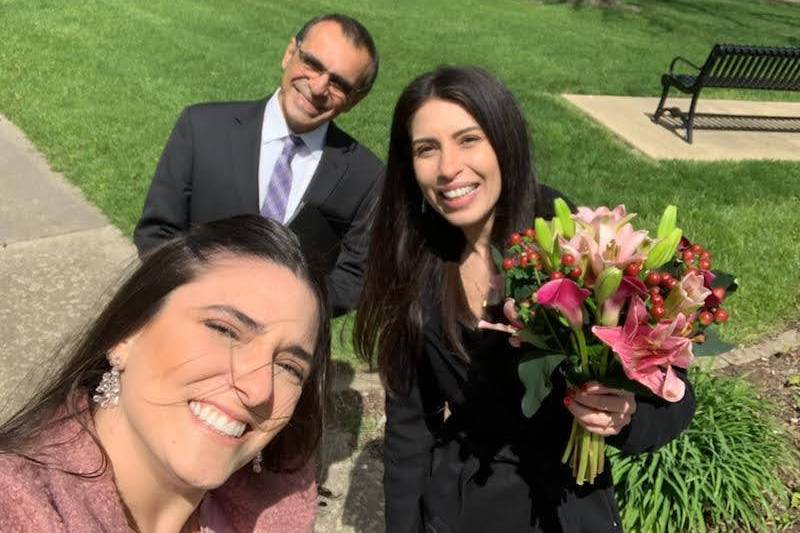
(683, 60)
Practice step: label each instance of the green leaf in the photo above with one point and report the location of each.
(521, 293)
(713, 345)
(726, 281)
(540, 341)
(497, 257)
(534, 372)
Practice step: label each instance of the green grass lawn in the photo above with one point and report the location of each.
(97, 86)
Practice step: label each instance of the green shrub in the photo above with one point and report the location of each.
(724, 472)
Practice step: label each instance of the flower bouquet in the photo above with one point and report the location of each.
(600, 300)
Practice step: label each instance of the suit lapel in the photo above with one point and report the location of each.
(245, 141)
(331, 169)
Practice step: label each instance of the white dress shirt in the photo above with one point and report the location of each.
(274, 131)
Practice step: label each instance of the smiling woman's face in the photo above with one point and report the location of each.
(455, 165)
(216, 374)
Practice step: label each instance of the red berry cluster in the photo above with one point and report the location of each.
(696, 258)
(633, 269)
(660, 284)
(569, 268)
(527, 255)
(712, 312)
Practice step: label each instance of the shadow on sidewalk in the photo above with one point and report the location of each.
(675, 121)
(363, 506)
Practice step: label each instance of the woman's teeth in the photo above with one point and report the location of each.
(217, 420)
(458, 193)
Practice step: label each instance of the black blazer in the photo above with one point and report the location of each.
(209, 171)
(487, 467)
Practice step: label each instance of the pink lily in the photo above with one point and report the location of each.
(687, 297)
(565, 296)
(606, 238)
(616, 246)
(648, 353)
(587, 216)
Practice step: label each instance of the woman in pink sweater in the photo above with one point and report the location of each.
(192, 402)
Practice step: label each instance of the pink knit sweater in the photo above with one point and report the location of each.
(40, 499)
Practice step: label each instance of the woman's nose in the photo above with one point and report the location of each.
(254, 377)
(450, 163)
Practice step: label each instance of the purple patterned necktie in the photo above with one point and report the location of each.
(281, 181)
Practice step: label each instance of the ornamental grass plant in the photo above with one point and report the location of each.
(724, 473)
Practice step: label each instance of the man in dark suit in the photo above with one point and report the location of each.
(282, 157)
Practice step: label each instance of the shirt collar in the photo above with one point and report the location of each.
(275, 127)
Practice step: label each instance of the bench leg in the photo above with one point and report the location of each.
(660, 108)
(690, 122)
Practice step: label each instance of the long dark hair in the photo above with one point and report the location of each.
(414, 254)
(138, 300)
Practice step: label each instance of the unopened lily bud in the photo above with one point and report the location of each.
(565, 216)
(663, 251)
(544, 236)
(607, 284)
(667, 224)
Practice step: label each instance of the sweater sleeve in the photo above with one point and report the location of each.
(655, 422)
(25, 506)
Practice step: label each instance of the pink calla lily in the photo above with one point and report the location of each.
(565, 296)
(648, 353)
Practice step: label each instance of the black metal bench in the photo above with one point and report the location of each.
(735, 67)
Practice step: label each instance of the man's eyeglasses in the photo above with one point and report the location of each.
(339, 88)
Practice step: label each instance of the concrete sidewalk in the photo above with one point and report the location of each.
(731, 130)
(58, 254)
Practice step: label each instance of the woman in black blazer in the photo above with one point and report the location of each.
(459, 454)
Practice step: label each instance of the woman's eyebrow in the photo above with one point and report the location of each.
(460, 132)
(247, 321)
(299, 351)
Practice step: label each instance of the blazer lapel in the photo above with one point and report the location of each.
(245, 141)
(331, 168)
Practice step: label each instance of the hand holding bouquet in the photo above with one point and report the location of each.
(620, 307)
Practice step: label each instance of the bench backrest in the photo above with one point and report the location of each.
(752, 67)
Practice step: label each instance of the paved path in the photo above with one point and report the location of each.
(721, 127)
(58, 254)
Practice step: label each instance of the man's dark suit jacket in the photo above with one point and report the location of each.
(209, 171)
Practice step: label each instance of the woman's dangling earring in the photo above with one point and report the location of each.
(108, 391)
(257, 460)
